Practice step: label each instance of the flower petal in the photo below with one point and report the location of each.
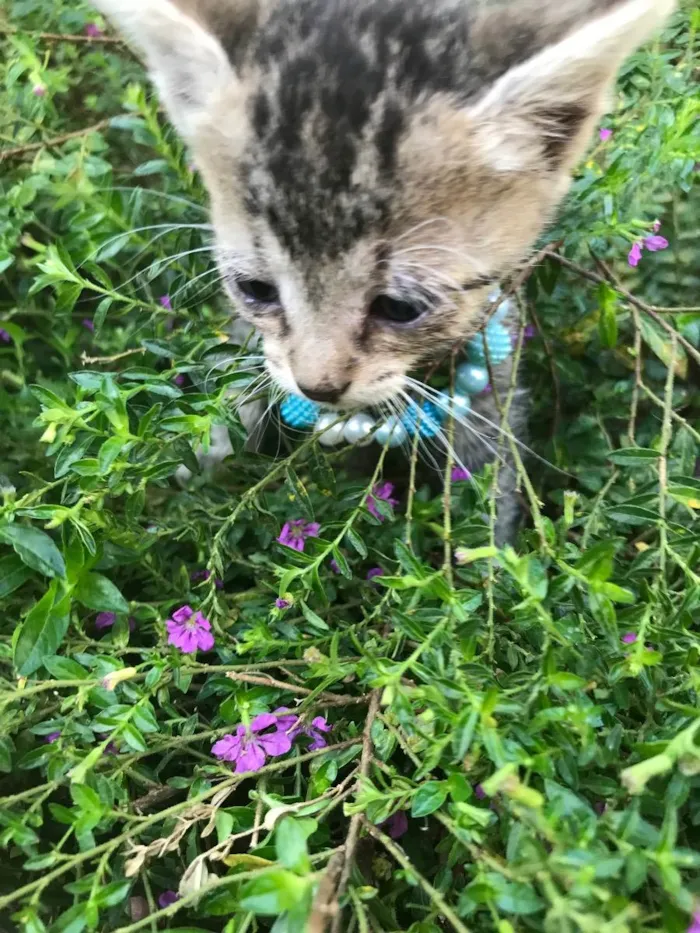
(228, 748)
(182, 614)
(252, 759)
(275, 743)
(263, 721)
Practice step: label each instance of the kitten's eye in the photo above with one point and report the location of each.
(386, 308)
(261, 292)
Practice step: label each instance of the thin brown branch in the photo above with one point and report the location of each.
(331, 699)
(110, 359)
(356, 821)
(556, 384)
(19, 151)
(325, 905)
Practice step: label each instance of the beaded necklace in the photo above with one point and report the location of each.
(471, 378)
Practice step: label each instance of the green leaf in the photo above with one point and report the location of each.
(429, 798)
(290, 842)
(315, 621)
(133, 737)
(42, 631)
(35, 548)
(65, 669)
(627, 456)
(631, 515)
(86, 799)
(356, 542)
(607, 319)
(6, 749)
(273, 892)
(13, 573)
(97, 592)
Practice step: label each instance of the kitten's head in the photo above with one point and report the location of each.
(374, 164)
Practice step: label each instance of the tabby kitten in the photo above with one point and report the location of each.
(375, 165)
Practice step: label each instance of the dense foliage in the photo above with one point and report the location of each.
(512, 734)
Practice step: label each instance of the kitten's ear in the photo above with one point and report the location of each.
(541, 112)
(187, 62)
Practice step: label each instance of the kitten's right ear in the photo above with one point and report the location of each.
(187, 62)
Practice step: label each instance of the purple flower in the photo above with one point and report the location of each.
(604, 134)
(88, 325)
(295, 532)
(39, 90)
(334, 565)
(460, 474)
(282, 603)
(635, 254)
(628, 638)
(529, 332)
(655, 243)
(292, 725)
(179, 380)
(111, 749)
(396, 825)
(656, 226)
(250, 746)
(164, 300)
(4, 336)
(381, 491)
(189, 631)
(204, 575)
(167, 898)
(479, 792)
(105, 620)
(374, 572)
(52, 737)
(695, 924)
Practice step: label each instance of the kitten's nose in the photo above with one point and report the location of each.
(323, 393)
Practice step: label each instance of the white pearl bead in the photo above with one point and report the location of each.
(358, 428)
(392, 432)
(332, 433)
(459, 403)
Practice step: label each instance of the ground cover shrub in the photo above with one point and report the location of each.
(203, 728)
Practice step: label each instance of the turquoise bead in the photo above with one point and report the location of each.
(299, 412)
(498, 341)
(471, 379)
(424, 419)
(392, 432)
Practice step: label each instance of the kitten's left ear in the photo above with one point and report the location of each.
(541, 112)
(187, 62)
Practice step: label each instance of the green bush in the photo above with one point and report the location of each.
(524, 719)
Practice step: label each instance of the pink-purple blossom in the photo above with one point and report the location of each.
(628, 638)
(39, 90)
(655, 243)
(396, 825)
(695, 923)
(292, 725)
(250, 746)
(282, 603)
(635, 254)
(460, 474)
(335, 566)
(179, 380)
(165, 302)
(295, 532)
(167, 898)
(88, 325)
(4, 336)
(189, 631)
(479, 792)
(93, 31)
(203, 575)
(604, 133)
(381, 491)
(374, 572)
(52, 737)
(105, 620)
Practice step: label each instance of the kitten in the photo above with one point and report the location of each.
(375, 165)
